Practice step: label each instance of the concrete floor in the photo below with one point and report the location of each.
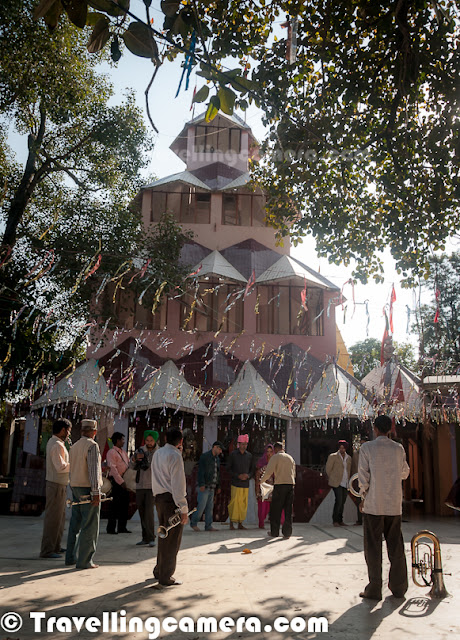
(318, 572)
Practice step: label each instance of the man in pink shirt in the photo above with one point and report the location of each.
(117, 463)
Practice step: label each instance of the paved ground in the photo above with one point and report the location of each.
(318, 572)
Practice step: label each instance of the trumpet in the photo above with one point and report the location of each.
(174, 520)
(428, 563)
(86, 500)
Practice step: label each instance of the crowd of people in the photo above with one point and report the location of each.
(160, 481)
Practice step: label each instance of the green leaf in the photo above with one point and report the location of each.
(139, 40)
(242, 84)
(53, 15)
(77, 11)
(42, 8)
(213, 108)
(108, 7)
(100, 35)
(202, 94)
(169, 7)
(115, 50)
(227, 100)
(92, 18)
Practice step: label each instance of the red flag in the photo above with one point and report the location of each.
(303, 295)
(251, 282)
(385, 336)
(392, 299)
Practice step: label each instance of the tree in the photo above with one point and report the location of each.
(362, 150)
(438, 323)
(72, 225)
(365, 356)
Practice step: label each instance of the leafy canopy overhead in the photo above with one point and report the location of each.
(363, 143)
(71, 226)
(438, 323)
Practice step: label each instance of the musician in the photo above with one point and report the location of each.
(57, 479)
(117, 463)
(141, 461)
(282, 466)
(85, 480)
(381, 470)
(338, 467)
(240, 465)
(169, 489)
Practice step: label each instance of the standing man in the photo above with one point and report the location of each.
(208, 484)
(85, 480)
(240, 464)
(57, 479)
(338, 467)
(382, 468)
(117, 463)
(169, 489)
(354, 469)
(282, 466)
(142, 461)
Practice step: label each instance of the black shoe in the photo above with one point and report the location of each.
(370, 596)
(124, 531)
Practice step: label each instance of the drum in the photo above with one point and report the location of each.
(129, 477)
(106, 486)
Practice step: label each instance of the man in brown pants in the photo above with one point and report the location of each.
(57, 479)
(169, 489)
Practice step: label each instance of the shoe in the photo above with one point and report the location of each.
(211, 529)
(358, 524)
(232, 528)
(240, 526)
(61, 550)
(112, 533)
(70, 564)
(370, 596)
(171, 583)
(342, 524)
(271, 535)
(286, 537)
(261, 527)
(195, 528)
(141, 543)
(152, 543)
(336, 524)
(124, 531)
(51, 555)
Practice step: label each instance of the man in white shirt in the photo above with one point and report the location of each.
(382, 468)
(169, 489)
(57, 479)
(338, 467)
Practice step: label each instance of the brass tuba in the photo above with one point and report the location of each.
(429, 562)
(351, 488)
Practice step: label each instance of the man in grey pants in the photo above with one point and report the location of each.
(142, 461)
(57, 479)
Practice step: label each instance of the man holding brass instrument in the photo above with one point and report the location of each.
(169, 489)
(85, 480)
(381, 470)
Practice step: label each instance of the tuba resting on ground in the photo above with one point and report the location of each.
(428, 563)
